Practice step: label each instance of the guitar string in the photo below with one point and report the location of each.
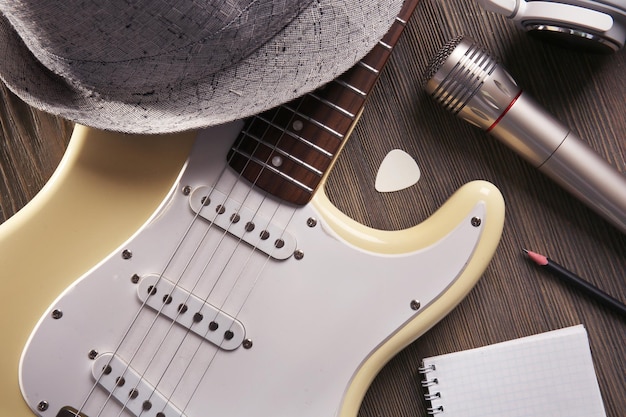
(192, 222)
(193, 255)
(175, 318)
(259, 274)
(267, 259)
(200, 276)
(159, 312)
(140, 310)
(251, 252)
(244, 266)
(209, 227)
(142, 307)
(293, 116)
(211, 224)
(125, 334)
(217, 352)
(191, 258)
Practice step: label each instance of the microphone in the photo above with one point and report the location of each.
(464, 79)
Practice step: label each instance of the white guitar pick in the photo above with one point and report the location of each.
(397, 172)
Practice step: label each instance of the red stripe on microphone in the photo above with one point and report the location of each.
(505, 111)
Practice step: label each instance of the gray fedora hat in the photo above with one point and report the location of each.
(154, 66)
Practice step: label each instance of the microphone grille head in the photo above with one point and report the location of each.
(438, 60)
(457, 72)
(465, 80)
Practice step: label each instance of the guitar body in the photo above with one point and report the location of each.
(209, 296)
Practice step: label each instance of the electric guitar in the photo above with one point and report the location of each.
(225, 282)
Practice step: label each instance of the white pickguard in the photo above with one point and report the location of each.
(312, 322)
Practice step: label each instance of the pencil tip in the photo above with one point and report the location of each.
(536, 257)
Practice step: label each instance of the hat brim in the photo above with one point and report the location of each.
(323, 41)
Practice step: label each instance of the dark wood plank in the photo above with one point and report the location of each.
(513, 298)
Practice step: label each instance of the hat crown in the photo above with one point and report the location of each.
(171, 41)
(155, 66)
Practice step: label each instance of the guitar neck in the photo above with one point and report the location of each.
(287, 150)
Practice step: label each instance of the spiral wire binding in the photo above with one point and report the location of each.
(429, 382)
(434, 410)
(425, 369)
(426, 383)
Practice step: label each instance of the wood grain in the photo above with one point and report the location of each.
(513, 298)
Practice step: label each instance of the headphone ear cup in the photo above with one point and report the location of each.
(587, 24)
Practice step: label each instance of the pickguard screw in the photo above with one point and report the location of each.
(298, 254)
(43, 405)
(311, 222)
(476, 221)
(134, 279)
(186, 190)
(126, 254)
(247, 344)
(93, 354)
(415, 305)
(57, 314)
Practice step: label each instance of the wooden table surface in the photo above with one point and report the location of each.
(513, 298)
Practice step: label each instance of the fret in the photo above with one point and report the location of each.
(360, 78)
(271, 179)
(346, 97)
(385, 45)
(287, 150)
(314, 121)
(272, 148)
(276, 171)
(285, 121)
(368, 67)
(376, 59)
(297, 137)
(333, 105)
(267, 139)
(350, 87)
(393, 34)
(269, 158)
(401, 21)
(407, 9)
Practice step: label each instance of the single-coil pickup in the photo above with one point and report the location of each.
(191, 312)
(134, 393)
(242, 222)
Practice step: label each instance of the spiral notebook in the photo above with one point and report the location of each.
(549, 374)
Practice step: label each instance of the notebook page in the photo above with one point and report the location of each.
(549, 374)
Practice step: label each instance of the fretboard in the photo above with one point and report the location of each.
(287, 150)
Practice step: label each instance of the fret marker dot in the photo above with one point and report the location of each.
(277, 161)
(297, 125)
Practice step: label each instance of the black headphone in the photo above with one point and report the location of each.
(594, 25)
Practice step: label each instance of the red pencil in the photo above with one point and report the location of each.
(573, 279)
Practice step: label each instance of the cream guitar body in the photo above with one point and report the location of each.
(209, 275)
(225, 300)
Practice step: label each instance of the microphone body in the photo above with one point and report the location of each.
(468, 82)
